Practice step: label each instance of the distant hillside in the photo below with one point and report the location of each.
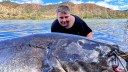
(126, 10)
(10, 10)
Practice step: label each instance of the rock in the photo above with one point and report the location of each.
(54, 52)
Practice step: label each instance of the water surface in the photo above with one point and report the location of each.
(105, 30)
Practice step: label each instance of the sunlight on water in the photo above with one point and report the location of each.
(113, 31)
(17, 28)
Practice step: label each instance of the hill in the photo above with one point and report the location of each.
(11, 10)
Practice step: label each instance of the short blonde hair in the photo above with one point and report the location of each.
(63, 9)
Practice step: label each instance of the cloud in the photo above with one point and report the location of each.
(76, 1)
(28, 1)
(92, 2)
(107, 0)
(53, 3)
(60, 2)
(124, 7)
(105, 4)
(37, 1)
(48, 3)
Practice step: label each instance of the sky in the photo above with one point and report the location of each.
(112, 4)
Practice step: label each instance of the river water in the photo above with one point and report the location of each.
(105, 30)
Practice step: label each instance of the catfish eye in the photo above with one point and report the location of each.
(81, 42)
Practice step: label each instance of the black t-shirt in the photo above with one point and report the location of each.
(79, 27)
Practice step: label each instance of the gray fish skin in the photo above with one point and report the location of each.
(54, 52)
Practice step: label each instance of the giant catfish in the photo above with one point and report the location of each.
(54, 52)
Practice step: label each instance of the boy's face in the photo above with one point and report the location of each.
(64, 19)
